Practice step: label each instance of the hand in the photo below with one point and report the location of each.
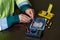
(24, 18)
(30, 12)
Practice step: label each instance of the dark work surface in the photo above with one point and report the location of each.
(17, 32)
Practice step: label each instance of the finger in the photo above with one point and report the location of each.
(23, 18)
(32, 14)
(26, 18)
(25, 21)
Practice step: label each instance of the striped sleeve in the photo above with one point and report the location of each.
(23, 5)
(8, 22)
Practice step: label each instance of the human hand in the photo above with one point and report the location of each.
(30, 12)
(24, 18)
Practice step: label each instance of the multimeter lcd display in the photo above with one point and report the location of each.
(38, 23)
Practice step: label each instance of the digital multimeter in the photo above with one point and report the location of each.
(36, 27)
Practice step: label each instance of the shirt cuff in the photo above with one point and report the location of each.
(12, 19)
(24, 7)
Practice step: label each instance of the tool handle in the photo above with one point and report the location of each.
(49, 8)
